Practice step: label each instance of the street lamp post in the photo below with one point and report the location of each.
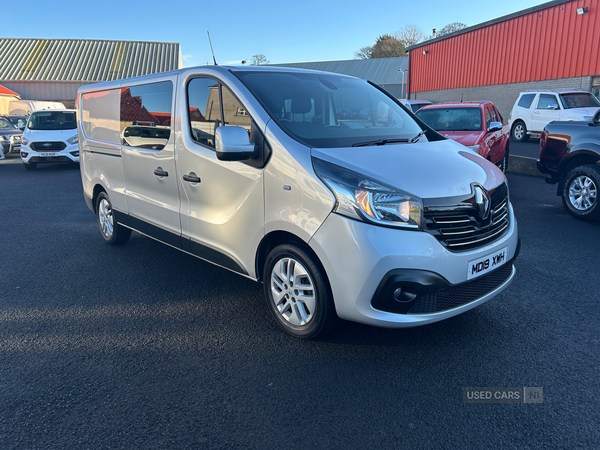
(403, 85)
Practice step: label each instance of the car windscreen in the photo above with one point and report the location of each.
(452, 119)
(5, 124)
(579, 100)
(329, 111)
(52, 120)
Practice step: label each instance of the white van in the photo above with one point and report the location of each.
(319, 185)
(50, 136)
(26, 107)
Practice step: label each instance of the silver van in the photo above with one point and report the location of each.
(320, 186)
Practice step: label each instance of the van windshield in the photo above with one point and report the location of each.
(329, 111)
(52, 120)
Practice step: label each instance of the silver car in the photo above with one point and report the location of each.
(10, 137)
(320, 186)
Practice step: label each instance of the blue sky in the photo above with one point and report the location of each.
(309, 30)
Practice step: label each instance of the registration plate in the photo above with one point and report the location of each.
(480, 266)
(48, 154)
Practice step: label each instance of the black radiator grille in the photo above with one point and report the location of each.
(460, 228)
(47, 146)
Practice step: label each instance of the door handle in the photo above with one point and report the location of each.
(159, 172)
(192, 178)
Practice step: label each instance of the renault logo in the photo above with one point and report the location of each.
(482, 202)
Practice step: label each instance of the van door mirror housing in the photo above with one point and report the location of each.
(233, 144)
(494, 126)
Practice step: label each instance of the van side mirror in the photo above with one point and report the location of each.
(494, 126)
(595, 122)
(552, 106)
(233, 144)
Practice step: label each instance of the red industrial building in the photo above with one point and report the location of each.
(550, 46)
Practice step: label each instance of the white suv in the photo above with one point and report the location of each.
(536, 108)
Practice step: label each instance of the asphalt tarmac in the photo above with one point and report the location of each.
(144, 347)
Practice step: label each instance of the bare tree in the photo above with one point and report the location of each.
(387, 46)
(451, 28)
(409, 35)
(364, 52)
(259, 60)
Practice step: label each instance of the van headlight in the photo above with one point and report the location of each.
(24, 141)
(362, 198)
(73, 140)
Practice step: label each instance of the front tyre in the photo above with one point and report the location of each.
(111, 231)
(579, 192)
(519, 131)
(297, 292)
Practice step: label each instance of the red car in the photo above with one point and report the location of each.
(477, 125)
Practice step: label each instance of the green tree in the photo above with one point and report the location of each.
(387, 46)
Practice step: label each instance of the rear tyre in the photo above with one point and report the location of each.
(519, 131)
(580, 190)
(111, 231)
(29, 166)
(297, 292)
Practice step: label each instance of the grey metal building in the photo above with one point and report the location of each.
(53, 69)
(389, 73)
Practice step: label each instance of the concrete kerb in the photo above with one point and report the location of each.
(523, 165)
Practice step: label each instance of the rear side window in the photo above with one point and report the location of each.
(526, 100)
(145, 115)
(100, 115)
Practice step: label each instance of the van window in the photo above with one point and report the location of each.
(146, 115)
(234, 112)
(328, 111)
(526, 100)
(100, 115)
(52, 120)
(204, 110)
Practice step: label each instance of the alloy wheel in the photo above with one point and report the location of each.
(293, 292)
(106, 218)
(582, 193)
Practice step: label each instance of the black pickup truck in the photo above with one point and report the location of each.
(570, 154)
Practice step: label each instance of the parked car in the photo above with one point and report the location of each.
(570, 154)
(18, 121)
(477, 125)
(536, 108)
(50, 137)
(10, 137)
(377, 219)
(414, 105)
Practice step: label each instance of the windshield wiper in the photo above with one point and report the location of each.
(380, 142)
(417, 137)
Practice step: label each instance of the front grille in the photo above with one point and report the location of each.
(47, 146)
(459, 228)
(463, 293)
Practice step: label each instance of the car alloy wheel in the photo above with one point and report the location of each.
(519, 131)
(107, 225)
(293, 292)
(582, 193)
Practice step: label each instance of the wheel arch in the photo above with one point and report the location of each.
(97, 189)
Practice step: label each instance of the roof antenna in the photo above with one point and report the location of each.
(211, 49)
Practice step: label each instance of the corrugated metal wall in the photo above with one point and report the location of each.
(552, 43)
(84, 60)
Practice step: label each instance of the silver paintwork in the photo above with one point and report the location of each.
(582, 193)
(236, 206)
(293, 292)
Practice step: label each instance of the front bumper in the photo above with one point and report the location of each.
(358, 257)
(69, 154)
